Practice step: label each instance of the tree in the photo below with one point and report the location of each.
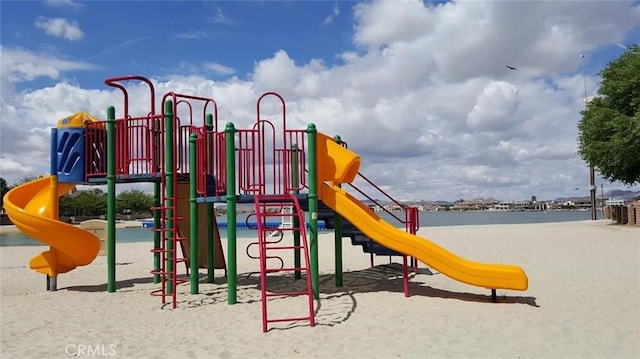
(90, 203)
(26, 179)
(67, 205)
(3, 190)
(534, 199)
(133, 200)
(609, 132)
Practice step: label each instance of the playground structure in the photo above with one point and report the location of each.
(194, 163)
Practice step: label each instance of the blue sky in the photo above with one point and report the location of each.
(168, 37)
(419, 89)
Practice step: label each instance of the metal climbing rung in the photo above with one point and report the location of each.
(271, 206)
(169, 259)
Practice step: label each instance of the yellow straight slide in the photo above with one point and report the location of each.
(340, 165)
(32, 207)
(492, 276)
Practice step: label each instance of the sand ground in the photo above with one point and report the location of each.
(583, 301)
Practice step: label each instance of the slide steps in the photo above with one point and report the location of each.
(357, 238)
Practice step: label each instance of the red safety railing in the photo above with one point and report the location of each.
(95, 144)
(269, 155)
(212, 163)
(139, 142)
(293, 161)
(134, 134)
(250, 167)
(185, 124)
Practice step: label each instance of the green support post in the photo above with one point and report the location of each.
(193, 213)
(168, 190)
(296, 233)
(313, 208)
(210, 244)
(338, 249)
(210, 209)
(157, 237)
(232, 269)
(338, 239)
(111, 199)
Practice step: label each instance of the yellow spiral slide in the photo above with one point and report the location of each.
(339, 165)
(32, 207)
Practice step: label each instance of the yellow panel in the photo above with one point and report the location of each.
(76, 120)
(339, 164)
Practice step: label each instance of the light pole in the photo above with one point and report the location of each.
(592, 175)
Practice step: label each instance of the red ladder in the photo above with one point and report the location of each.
(170, 240)
(269, 206)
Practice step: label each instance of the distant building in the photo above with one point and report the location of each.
(522, 205)
(615, 202)
(475, 205)
(504, 206)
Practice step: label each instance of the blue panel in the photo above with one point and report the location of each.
(70, 155)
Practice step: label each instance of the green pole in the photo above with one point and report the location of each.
(338, 239)
(210, 209)
(338, 249)
(296, 233)
(231, 214)
(111, 199)
(168, 190)
(157, 220)
(210, 245)
(193, 213)
(313, 208)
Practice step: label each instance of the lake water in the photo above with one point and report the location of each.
(427, 219)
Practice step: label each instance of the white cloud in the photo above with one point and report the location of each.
(424, 96)
(495, 108)
(334, 14)
(192, 34)
(60, 27)
(220, 18)
(219, 69)
(63, 3)
(117, 47)
(20, 65)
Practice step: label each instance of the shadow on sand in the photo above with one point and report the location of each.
(336, 304)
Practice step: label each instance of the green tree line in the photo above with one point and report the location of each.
(92, 202)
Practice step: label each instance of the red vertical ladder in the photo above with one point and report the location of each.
(169, 279)
(270, 206)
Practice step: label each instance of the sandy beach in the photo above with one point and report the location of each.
(583, 301)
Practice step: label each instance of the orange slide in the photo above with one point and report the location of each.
(339, 165)
(32, 207)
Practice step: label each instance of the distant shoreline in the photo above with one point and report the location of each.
(11, 228)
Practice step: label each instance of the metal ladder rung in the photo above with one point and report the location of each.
(162, 208)
(288, 319)
(263, 204)
(286, 294)
(283, 247)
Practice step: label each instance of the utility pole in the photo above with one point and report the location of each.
(592, 174)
